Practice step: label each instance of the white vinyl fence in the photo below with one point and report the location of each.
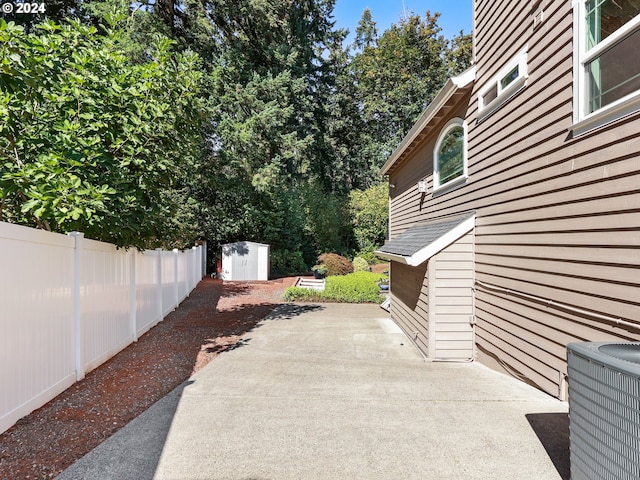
(68, 304)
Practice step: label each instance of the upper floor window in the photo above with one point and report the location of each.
(450, 154)
(509, 80)
(607, 61)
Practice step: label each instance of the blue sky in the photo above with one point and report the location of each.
(455, 14)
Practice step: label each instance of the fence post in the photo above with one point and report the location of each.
(203, 256)
(175, 278)
(187, 271)
(133, 300)
(159, 283)
(77, 313)
(194, 270)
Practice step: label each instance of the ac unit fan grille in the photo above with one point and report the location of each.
(604, 406)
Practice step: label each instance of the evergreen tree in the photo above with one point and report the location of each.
(366, 31)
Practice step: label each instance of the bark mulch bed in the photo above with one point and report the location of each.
(211, 320)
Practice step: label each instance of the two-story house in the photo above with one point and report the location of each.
(515, 198)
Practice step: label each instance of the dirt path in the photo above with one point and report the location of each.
(210, 321)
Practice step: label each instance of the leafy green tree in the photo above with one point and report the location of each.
(396, 79)
(460, 53)
(390, 80)
(347, 167)
(90, 142)
(370, 216)
(328, 220)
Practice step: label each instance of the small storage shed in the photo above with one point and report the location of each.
(243, 261)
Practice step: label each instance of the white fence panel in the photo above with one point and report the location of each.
(195, 272)
(36, 319)
(169, 296)
(148, 295)
(68, 304)
(182, 277)
(104, 302)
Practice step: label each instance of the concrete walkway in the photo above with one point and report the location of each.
(338, 392)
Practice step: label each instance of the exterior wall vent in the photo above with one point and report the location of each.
(538, 18)
(604, 410)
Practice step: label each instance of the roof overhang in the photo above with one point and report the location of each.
(421, 242)
(447, 97)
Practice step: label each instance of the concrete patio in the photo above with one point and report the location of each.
(337, 391)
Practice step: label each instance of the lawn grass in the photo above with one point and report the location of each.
(358, 287)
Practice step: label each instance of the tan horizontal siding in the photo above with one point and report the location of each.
(534, 336)
(441, 310)
(615, 221)
(557, 217)
(528, 131)
(548, 321)
(451, 353)
(499, 17)
(605, 239)
(597, 207)
(450, 281)
(505, 347)
(460, 274)
(406, 320)
(614, 275)
(610, 256)
(409, 302)
(530, 283)
(453, 300)
(564, 184)
(453, 328)
(620, 286)
(559, 181)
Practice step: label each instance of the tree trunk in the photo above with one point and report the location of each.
(166, 10)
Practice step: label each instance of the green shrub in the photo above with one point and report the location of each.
(358, 287)
(360, 265)
(369, 215)
(297, 294)
(370, 257)
(287, 263)
(336, 264)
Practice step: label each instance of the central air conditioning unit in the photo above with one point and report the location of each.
(604, 410)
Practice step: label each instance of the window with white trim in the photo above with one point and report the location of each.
(450, 154)
(509, 80)
(607, 60)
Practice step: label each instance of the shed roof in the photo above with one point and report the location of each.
(448, 96)
(245, 242)
(420, 242)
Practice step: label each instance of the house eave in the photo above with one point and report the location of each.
(454, 85)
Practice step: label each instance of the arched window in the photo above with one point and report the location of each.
(450, 154)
